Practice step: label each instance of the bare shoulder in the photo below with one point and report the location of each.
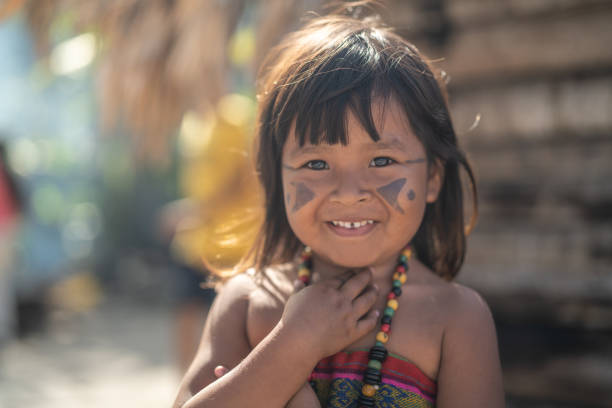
(470, 370)
(224, 341)
(267, 301)
(467, 313)
(228, 316)
(236, 289)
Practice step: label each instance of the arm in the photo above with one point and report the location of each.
(470, 370)
(318, 321)
(304, 398)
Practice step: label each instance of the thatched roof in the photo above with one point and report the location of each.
(160, 58)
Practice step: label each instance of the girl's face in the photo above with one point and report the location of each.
(360, 204)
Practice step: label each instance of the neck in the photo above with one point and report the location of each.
(381, 271)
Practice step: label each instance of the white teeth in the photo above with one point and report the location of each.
(352, 224)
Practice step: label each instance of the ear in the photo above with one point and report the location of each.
(435, 179)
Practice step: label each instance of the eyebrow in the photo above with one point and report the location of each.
(395, 143)
(310, 149)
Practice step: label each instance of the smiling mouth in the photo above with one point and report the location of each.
(351, 224)
(352, 228)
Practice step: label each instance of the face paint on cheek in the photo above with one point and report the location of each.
(390, 192)
(411, 195)
(303, 195)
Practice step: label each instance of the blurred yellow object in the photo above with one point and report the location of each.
(218, 176)
(242, 46)
(76, 293)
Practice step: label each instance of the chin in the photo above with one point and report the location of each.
(350, 259)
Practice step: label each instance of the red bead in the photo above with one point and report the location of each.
(304, 279)
(401, 269)
(385, 328)
(391, 295)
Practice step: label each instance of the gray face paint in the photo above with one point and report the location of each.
(303, 195)
(390, 192)
(288, 199)
(421, 160)
(411, 195)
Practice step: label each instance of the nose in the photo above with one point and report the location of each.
(350, 189)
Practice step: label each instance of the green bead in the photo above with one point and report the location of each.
(403, 258)
(397, 283)
(389, 311)
(379, 343)
(374, 364)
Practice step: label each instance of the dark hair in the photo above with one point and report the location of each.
(311, 79)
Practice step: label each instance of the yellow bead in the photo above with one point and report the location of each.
(368, 390)
(382, 337)
(400, 277)
(303, 272)
(392, 303)
(407, 253)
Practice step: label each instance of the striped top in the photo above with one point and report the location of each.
(337, 382)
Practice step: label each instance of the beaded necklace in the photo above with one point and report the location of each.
(378, 353)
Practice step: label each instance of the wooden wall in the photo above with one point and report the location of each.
(539, 75)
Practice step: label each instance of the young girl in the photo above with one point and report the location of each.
(364, 207)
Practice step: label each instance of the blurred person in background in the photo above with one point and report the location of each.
(10, 211)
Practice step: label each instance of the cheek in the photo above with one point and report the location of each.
(404, 193)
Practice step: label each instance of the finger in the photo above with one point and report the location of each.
(356, 284)
(298, 285)
(220, 371)
(367, 323)
(364, 302)
(339, 280)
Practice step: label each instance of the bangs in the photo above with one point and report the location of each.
(323, 91)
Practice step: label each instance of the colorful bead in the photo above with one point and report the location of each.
(368, 390)
(375, 364)
(372, 376)
(400, 277)
(378, 353)
(365, 402)
(388, 312)
(382, 337)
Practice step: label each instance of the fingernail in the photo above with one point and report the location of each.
(375, 286)
(377, 313)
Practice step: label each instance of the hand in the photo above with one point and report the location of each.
(304, 398)
(331, 314)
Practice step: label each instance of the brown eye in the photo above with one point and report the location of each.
(317, 165)
(381, 162)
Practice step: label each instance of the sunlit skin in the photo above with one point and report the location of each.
(388, 181)
(445, 329)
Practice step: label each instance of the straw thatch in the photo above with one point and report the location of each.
(160, 58)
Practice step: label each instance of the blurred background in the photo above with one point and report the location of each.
(125, 133)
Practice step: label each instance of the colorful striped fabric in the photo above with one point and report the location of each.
(337, 382)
